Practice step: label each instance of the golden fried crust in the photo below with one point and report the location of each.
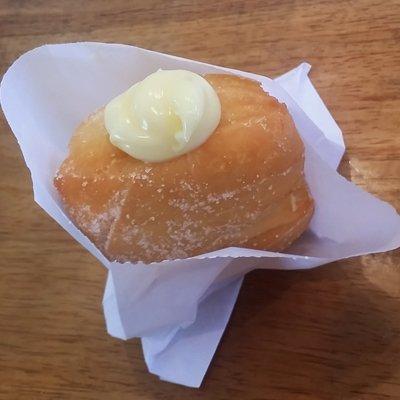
(243, 187)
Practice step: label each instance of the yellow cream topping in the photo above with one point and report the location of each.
(167, 114)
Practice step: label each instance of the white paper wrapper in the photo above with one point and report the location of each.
(180, 308)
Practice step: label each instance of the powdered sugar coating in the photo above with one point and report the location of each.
(239, 189)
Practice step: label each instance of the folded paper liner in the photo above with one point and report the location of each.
(180, 308)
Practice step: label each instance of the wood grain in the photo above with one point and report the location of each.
(330, 333)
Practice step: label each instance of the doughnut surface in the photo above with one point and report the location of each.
(243, 187)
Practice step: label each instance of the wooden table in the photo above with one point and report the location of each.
(330, 333)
